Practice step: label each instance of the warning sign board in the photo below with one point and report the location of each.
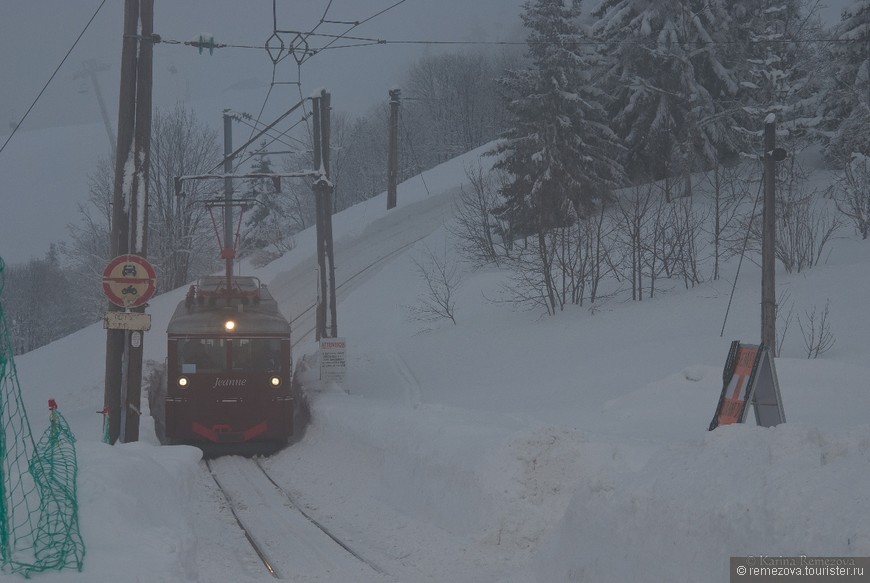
(749, 377)
(333, 359)
(129, 281)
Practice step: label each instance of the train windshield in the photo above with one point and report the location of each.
(256, 354)
(202, 355)
(211, 355)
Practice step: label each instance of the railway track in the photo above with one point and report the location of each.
(291, 544)
(303, 317)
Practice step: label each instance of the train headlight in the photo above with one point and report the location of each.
(229, 325)
(183, 382)
(275, 382)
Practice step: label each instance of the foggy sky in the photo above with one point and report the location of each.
(35, 34)
(43, 178)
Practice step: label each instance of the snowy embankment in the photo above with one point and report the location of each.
(740, 491)
(509, 447)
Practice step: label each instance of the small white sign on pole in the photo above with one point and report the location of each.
(333, 359)
(127, 321)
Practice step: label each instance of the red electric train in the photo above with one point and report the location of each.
(229, 370)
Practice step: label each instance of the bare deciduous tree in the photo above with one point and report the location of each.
(728, 188)
(453, 99)
(441, 277)
(481, 233)
(37, 309)
(803, 229)
(563, 265)
(804, 226)
(87, 254)
(816, 330)
(852, 193)
(634, 208)
(180, 238)
(681, 240)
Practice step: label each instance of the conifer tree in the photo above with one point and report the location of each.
(779, 76)
(673, 87)
(560, 153)
(264, 210)
(847, 103)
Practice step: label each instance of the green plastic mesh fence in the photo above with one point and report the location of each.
(39, 528)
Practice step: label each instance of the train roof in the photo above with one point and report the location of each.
(209, 304)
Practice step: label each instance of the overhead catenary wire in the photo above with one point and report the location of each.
(742, 254)
(371, 41)
(47, 83)
(352, 26)
(274, 139)
(310, 53)
(322, 18)
(306, 54)
(259, 115)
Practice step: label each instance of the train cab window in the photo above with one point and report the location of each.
(201, 355)
(257, 354)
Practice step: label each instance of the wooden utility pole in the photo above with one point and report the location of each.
(130, 212)
(326, 298)
(393, 155)
(325, 133)
(768, 237)
(228, 249)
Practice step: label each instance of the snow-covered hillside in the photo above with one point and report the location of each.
(506, 447)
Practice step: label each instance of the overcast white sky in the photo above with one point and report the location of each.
(35, 35)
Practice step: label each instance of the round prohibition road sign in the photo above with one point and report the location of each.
(129, 281)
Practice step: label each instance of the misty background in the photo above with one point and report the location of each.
(34, 36)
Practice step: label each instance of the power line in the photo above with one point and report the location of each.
(259, 115)
(306, 52)
(351, 27)
(742, 253)
(274, 139)
(243, 118)
(367, 41)
(381, 12)
(44, 87)
(322, 18)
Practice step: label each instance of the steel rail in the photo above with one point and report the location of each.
(253, 543)
(316, 523)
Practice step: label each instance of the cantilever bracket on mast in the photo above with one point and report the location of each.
(257, 136)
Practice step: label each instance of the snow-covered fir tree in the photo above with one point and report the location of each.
(847, 103)
(779, 74)
(560, 153)
(266, 211)
(673, 86)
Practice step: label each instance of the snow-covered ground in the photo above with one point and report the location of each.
(509, 446)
